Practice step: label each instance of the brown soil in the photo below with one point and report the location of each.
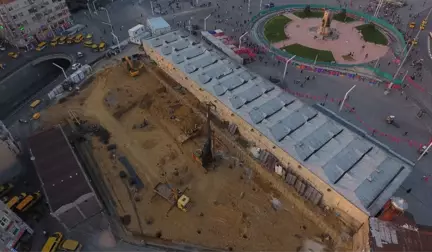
(231, 207)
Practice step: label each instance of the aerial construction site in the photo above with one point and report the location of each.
(173, 176)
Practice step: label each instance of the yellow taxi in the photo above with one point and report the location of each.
(101, 46)
(54, 41)
(62, 40)
(88, 43)
(94, 47)
(36, 116)
(13, 54)
(424, 22)
(422, 27)
(41, 46)
(70, 39)
(78, 38)
(412, 25)
(89, 36)
(414, 42)
(53, 242)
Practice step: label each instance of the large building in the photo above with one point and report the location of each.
(9, 151)
(23, 22)
(12, 229)
(345, 170)
(67, 190)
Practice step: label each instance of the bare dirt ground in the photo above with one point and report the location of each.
(231, 206)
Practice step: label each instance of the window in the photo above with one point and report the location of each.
(4, 222)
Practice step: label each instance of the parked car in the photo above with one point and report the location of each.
(13, 54)
(76, 66)
(80, 54)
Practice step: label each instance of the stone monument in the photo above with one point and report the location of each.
(325, 24)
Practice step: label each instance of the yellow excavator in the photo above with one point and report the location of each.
(130, 67)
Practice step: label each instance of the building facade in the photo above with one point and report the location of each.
(9, 151)
(24, 22)
(12, 229)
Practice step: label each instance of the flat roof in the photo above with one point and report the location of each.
(56, 164)
(157, 23)
(364, 173)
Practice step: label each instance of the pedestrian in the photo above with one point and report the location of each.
(352, 110)
(405, 133)
(408, 190)
(426, 178)
(373, 132)
(388, 63)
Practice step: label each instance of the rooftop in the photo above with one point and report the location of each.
(157, 23)
(364, 173)
(59, 170)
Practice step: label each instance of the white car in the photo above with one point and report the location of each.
(2, 48)
(76, 66)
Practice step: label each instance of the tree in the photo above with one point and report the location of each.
(307, 10)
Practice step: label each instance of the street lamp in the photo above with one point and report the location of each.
(205, 22)
(286, 66)
(241, 38)
(345, 97)
(261, 4)
(406, 56)
(94, 6)
(112, 30)
(61, 68)
(151, 6)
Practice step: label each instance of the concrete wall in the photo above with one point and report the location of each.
(349, 213)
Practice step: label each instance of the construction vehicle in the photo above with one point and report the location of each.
(28, 201)
(174, 196)
(5, 189)
(204, 156)
(15, 200)
(132, 71)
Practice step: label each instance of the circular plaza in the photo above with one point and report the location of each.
(324, 35)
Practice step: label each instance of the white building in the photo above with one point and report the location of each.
(12, 229)
(30, 21)
(158, 26)
(136, 33)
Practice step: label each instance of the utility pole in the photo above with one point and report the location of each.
(425, 151)
(249, 6)
(261, 4)
(316, 58)
(345, 97)
(94, 6)
(151, 6)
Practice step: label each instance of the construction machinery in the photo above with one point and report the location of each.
(204, 156)
(28, 201)
(174, 196)
(130, 67)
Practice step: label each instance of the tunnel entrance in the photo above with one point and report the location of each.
(26, 81)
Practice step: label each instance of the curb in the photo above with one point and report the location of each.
(429, 46)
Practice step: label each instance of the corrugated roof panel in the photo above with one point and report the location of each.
(181, 45)
(166, 50)
(178, 58)
(346, 159)
(299, 118)
(237, 102)
(232, 83)
(245, 76)
(170, 38)
(373, 186)
(252, 94)
(279, 131)
(204, 62)
(204, 78)
(317, 139)
(219, 72)
(286, 98)
(195, 52)
(271, 107)
(190, 68)
(219, 90)
(266, 86)
(156, 42)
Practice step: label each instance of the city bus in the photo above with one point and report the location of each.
(41, 46)
(53, 242)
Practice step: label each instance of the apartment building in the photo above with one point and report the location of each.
(13, 230)
(24, 22)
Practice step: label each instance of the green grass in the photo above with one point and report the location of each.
(372, 34)
(274, 29)
(309, 53)
(312, 14)
(343, 18)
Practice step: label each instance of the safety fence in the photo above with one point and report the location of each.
(257, 27)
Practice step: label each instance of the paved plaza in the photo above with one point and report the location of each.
(299, 31)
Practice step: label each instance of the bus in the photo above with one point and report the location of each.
(53, 242)
(28, 202)
(41, 46)
(79, 38)
(35, 103)
(15, 199)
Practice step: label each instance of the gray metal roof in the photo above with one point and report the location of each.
(360, 170)
(157, 23)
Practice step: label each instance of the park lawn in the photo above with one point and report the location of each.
(309, 53)
(372, 34)
(343, 18)
(312, 14)
(274, 29)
